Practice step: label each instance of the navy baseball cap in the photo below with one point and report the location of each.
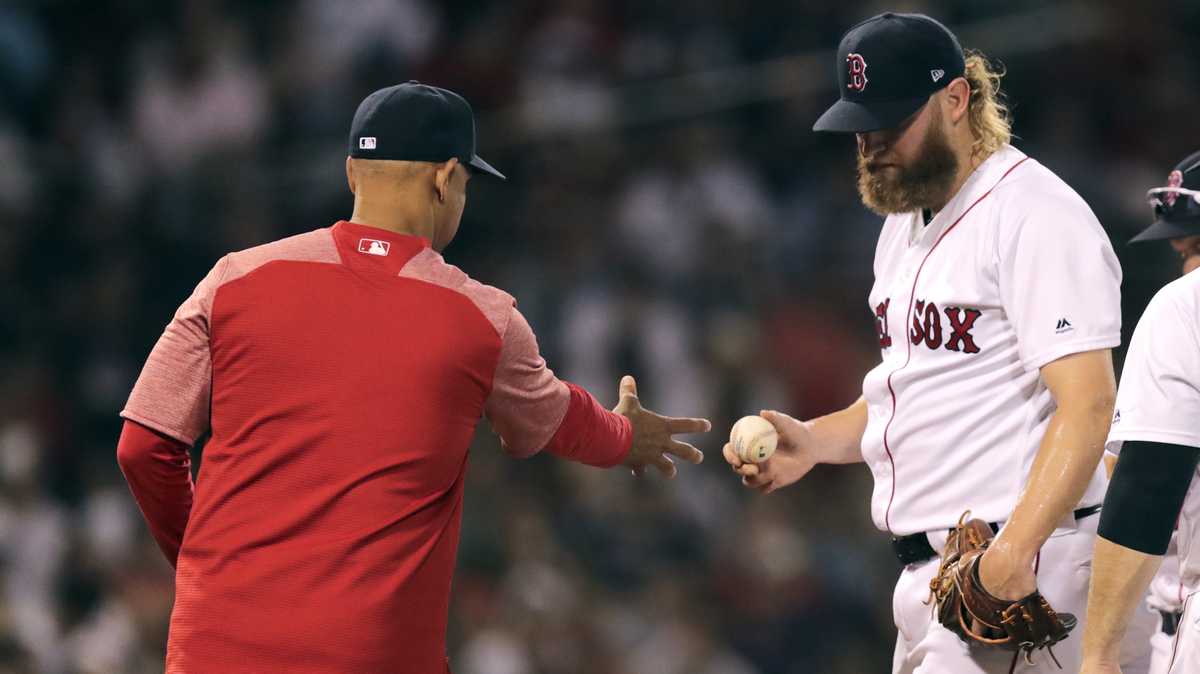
(416, 122)
(1176, 204)
(887, 68)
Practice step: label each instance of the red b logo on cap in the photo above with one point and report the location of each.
(858, 72)
(1173, 180)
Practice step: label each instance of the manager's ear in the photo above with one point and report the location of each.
(350, 173)
(441, 178)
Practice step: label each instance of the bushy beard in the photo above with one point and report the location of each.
(903, 189)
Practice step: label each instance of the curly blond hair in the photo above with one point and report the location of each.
(991, 125)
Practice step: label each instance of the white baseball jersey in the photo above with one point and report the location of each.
(1014, 272)
(1159, 397)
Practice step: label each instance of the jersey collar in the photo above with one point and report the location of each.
(371, 247)
(982, 179)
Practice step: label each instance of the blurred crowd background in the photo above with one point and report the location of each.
(669, 214)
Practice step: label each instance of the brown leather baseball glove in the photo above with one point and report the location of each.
(965, 608)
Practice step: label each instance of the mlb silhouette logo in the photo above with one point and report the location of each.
(374, 247)
(366, 143)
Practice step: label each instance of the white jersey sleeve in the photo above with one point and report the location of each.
(1159, 396)
(1060, 280)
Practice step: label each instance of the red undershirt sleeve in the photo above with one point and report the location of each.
(532, 410)
(591, 434)
(158, 469)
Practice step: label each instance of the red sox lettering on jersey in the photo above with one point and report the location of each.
(1013, 273)
(927, 326)
(881, 323)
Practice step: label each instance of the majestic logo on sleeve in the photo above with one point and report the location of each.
(1175, 179)
(927, 327)
(374, 247)
(858, 72)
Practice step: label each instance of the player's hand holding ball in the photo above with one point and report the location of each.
(770, 451)
(754, 439)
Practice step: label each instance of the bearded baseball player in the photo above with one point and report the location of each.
(997, 302)
(1156, 431)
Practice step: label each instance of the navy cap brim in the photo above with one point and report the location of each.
(1162, 230)
(853, 117)
(479, 164)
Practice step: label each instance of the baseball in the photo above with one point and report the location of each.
(753, 439)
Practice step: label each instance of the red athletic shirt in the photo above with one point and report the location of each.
(341, 373)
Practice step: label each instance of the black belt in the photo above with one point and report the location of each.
(1170, 622)
(915, 548)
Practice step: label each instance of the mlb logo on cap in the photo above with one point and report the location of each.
(366, 143)
(374, 247)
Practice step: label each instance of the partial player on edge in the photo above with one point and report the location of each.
(1156, 431)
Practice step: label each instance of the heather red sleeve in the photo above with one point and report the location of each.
(158, 469)
(172, 393)
(533, 410)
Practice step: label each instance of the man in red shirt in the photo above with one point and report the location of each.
(342, 373)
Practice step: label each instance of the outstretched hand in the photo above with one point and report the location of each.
(652, 441)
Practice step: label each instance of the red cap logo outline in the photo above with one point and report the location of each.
(858, 72)
(1175, 179)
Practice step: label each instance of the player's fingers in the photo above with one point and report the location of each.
(731, 457)
(756, 481)
(628, 387)
(665, 465)
(749, 469)
(685, 451)
(688, 425)
(779, 420)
